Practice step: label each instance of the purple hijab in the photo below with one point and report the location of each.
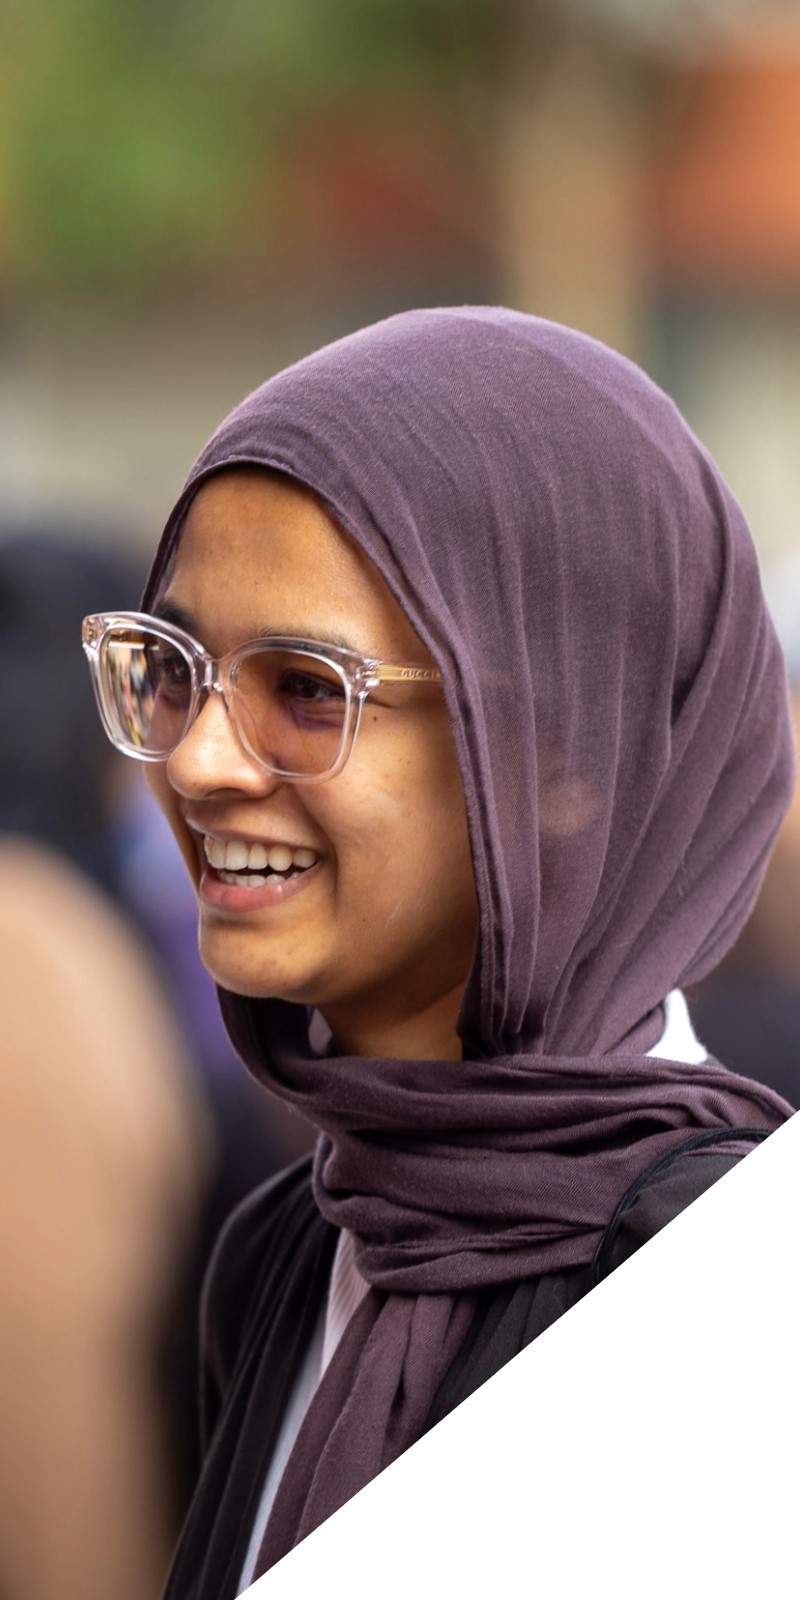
(571, 556)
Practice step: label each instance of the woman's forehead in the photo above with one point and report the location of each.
(257, 550)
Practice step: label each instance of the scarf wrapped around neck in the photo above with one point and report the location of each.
(571, 556)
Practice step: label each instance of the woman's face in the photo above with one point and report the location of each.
(379, 932)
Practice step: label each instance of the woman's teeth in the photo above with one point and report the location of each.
(231, 858)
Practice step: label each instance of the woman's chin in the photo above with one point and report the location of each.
(257, 979)
(251, 986)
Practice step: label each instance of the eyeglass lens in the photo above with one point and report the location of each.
(289, 707)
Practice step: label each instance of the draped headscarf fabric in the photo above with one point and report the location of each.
(570, 555)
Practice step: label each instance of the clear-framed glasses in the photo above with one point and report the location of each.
(295, 704)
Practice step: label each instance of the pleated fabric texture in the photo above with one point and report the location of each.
(569, 553)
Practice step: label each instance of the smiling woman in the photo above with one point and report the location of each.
(345, 931)
(488, 871)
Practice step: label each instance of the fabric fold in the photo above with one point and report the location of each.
(385, 1372)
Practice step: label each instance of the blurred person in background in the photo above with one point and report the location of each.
(104, 1148)
(119, 1161)
(454, 680)
(748, 1011)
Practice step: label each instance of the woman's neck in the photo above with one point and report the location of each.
(427, 1035)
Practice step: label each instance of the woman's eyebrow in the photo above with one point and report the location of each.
(167, 611)
(291, 631)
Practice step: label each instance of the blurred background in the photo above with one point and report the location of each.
(192, 194)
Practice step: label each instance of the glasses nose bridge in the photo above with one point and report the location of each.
(211, 678)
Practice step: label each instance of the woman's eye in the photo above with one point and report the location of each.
(310, 688)
(170, 670)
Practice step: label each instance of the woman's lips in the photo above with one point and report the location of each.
(234, 897)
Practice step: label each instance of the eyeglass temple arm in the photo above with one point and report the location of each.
(395, 674)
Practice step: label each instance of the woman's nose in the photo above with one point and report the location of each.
(211, 756)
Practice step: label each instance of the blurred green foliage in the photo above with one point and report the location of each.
(139, 136)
